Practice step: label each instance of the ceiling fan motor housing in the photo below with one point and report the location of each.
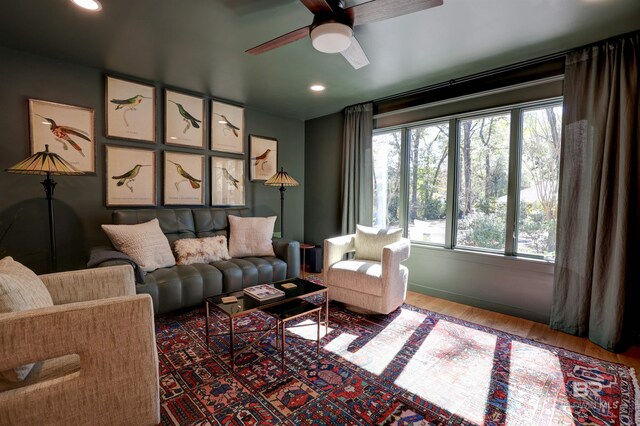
(331, 32)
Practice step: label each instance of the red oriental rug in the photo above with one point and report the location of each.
(410, 367)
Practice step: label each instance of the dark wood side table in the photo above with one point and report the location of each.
(305, 247)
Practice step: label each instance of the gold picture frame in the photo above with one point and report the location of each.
(183, 179)
(68, 130)
(227, 128)
(184, 120)
(227, 181)
(130, 109)
(263, 157)
(130, 175)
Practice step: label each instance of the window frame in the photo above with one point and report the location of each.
(515, 113)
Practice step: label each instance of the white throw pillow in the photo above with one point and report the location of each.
(144, 243)
(369, 242)
(201, 250)
(251, 236)
(20, 290)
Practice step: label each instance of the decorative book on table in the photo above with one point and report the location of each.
(264, 293)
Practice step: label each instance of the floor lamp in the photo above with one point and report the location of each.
(47, 163)
(281, 179)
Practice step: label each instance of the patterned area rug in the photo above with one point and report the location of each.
(410, 367)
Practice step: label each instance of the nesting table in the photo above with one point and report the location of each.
(292, 306)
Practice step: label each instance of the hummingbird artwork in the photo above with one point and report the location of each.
(188, 118)
(228, 126)
(230, 179)
(195, 183)
(63, 134)
(262, 159)
(127, 178)
(129, 104)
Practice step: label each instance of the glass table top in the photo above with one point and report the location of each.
(245, 304)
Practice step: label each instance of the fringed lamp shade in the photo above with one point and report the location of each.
(44, 162)
(281, 178)
(47, 163)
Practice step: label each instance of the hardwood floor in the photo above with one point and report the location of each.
(525, 328)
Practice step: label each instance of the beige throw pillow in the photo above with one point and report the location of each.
(251, 236)
(369, 242)
(201, 250)
(144, 243)
(20, 290)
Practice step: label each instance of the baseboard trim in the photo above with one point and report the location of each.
(480, 303)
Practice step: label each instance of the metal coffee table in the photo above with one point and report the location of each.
(246, 305)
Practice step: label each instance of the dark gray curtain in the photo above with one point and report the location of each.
(597, 263)
(357, 178)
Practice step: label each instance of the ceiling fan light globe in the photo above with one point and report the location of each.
(332, 37)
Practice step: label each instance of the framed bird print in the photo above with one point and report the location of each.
(183, 178)
(227, 181)
(130, 110)
(131, 176)
(67, 130)
(183, 119)
(227, 128)
(263, 154)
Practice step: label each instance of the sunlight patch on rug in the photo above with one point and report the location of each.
(452, 368)
(534, 374)
(376, 355)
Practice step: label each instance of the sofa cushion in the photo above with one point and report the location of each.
(144, 243)
(20, 290)
(251, 236)
(201, 250)
(369, 242)
(358, 275)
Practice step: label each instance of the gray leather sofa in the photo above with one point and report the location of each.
(184, 286)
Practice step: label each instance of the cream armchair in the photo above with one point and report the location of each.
(367, 285)
(98, 346)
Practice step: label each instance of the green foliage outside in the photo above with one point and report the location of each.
(483, 179)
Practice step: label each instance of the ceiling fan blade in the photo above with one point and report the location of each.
(316, 6)
(280, 41)
(378, 10)
(355, 55)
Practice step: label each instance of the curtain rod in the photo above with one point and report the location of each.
(482, 74)
(491, 72)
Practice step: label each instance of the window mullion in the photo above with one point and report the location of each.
(452, 185)
(405, 153)
(514, 183)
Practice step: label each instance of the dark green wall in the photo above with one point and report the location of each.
(80, 200)
(323, 176)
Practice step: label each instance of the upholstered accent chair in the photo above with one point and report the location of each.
(369, 284)
(94, 352)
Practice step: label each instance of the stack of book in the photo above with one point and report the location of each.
(264, 293)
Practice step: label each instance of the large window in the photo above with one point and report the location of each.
(428, 156)
(483, 178)
(478, 181)
(539, 175)
(386, 179)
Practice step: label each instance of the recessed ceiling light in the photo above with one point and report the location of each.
(92, 5)
(172, 137)
(317, 87)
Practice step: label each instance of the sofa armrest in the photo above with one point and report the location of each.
(289, 251)
(335, 249)
(90, 284)
(392, 255)
(115, 341)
